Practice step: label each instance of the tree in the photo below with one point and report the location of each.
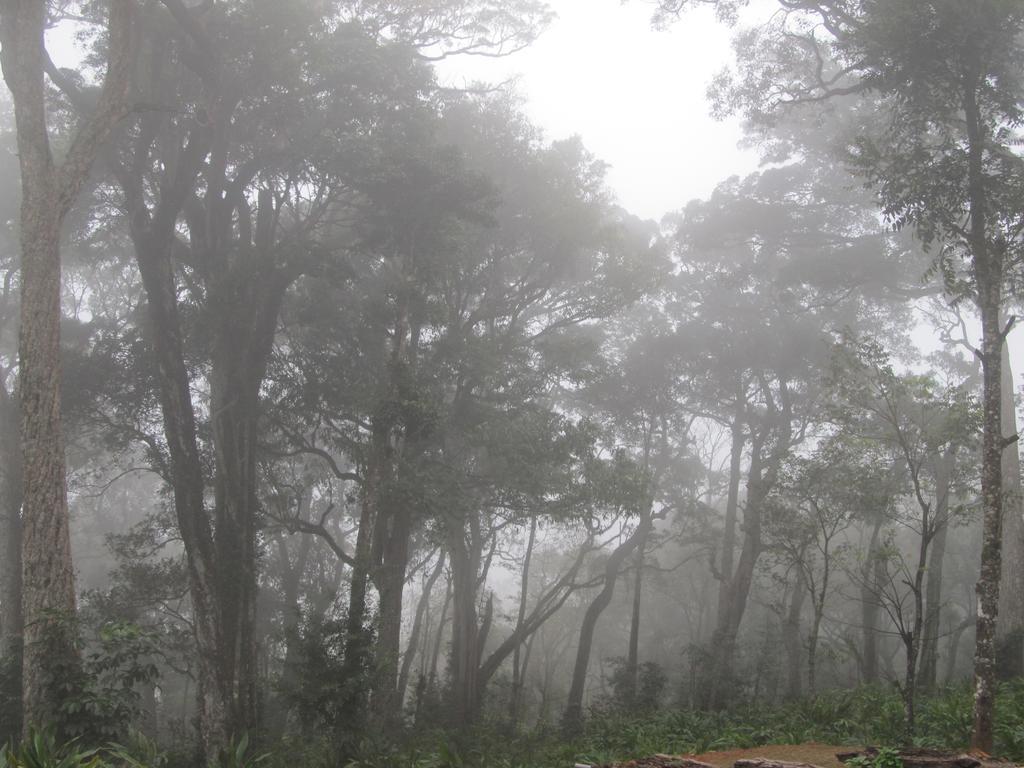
(817, 499)
(762, 289)
(947, 78)
(48, 190)
(243, 182)
(920, 426)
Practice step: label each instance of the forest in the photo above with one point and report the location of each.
(347, 419)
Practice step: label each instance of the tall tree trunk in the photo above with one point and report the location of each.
(572, 720)
(988, 267)
(928, 674)
(50, 659)
(731, 506)
(1010, 628)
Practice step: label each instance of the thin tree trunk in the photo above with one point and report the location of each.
(517, 672)
(953, 648)
(633, 651)
(731, 507)
(871, 583)
(1010, 628)
(791, 639)
(573, 717)
(417, 629)
(435, 655)
(928, 673)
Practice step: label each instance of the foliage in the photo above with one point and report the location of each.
(138, 751)
(42, 750)
(237, 755)
(887, 757)
(645, 694)
(106, 699)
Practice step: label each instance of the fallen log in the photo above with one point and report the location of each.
(760, 762)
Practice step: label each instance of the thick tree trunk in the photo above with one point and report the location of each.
(48, 190)
(988, 269)
(234, 431)
(390, 581)
(992, 501)
(573, 717)
(465, 654)
(10, 529)
(1010, 628)
(48, 592)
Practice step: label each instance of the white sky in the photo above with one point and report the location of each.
(634, 94)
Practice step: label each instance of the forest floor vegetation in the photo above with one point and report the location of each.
(808, 731)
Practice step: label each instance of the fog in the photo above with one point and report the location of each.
(477, 383)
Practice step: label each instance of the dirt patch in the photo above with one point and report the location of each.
(817, 754)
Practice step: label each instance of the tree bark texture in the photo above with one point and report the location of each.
(48, 189)
(988, 266)
(10, 528)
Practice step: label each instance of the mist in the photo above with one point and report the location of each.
(512, 384)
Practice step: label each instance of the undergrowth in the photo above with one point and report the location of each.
(870, 715)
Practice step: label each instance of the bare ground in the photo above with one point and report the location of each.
(816, 754)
